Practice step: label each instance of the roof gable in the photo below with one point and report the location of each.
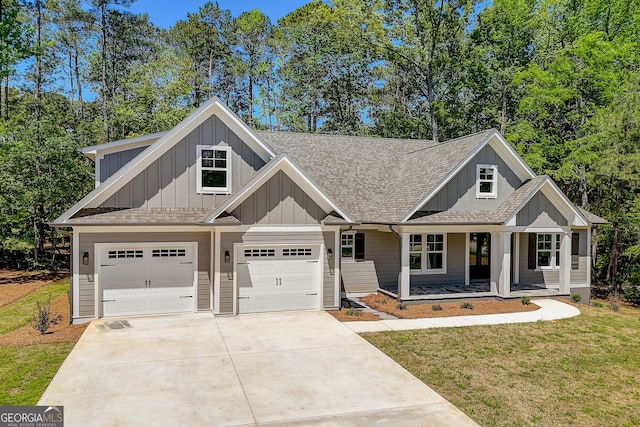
(470, 146)
(165, 142)
(285, 164)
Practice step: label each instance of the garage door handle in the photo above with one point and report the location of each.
(244, 297)
(186, 263)
(316, 261)
(186, 296)
(107, 265)
(108, 300)
(313, 294)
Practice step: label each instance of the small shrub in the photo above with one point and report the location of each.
(576, 298)
(436, 307)
(597, 303)
(42, 317)
(401, 306)
(525, 300)
(466, 306)
(613, 306)
(353, 312)
(632, 295)
(381, 300)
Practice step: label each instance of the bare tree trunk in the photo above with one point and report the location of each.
(38, 207)
(6, 97)
(503, 113)
(250, 101)
(613, 266)
(78, 81)
(105, 90)
(431, 99)
(210, 89)
(71, 86)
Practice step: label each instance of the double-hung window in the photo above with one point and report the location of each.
(213, 169)
(347, 246)
(352, 246)
(486, 181)
(427, 253)
(547, 250)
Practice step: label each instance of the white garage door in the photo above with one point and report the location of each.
(278, 278)
(146, 279)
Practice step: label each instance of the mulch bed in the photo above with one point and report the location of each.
(15, 284)
(60, 332)
(342, 316)
(386, 304)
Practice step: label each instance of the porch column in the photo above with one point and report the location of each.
(501, 263)
(404, 278)
(565, 263)
(515, 256)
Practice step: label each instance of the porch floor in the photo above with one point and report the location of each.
(472, 289)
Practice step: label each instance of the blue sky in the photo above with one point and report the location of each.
(165, 13)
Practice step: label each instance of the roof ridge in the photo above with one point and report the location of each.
(339, 135)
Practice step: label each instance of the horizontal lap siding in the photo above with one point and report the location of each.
(579, 276)
(456, 247)
(534, 277)
(380, 266)
(329, 270)
(87, 273)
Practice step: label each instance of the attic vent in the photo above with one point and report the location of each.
(297, 252)
(255, 253)
(132, 253)
(168, 253)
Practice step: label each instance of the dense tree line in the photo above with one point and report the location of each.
(559, 78)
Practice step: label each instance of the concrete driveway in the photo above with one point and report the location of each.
(296, 368)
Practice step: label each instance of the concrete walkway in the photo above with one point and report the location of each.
(285, 369)
(549, 310)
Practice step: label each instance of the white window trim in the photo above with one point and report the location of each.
(494, 193)
(425, 252)
(555, 252)
(212, 190)
(352, 246)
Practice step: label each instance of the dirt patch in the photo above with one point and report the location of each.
(388, 305)
(62, 331)
(15, 284)
(342, 315)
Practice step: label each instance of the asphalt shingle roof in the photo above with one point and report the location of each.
(373, 179)
(138, 216)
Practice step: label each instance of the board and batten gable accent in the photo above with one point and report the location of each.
(110, 163)
(170, 181)
(86, 276)
(279, 201)
(229, 239)
(460, 192)
(540, 212)
(456, 259)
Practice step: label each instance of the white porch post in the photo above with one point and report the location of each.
(515, 255)
(589, 237)
(565, 263)
(216, 272)
(404, 282)
(501, 263)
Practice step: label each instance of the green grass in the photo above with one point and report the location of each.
(25, 372)
(19, 313)
(581, 371)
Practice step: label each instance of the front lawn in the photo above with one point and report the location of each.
(25, 369)
(581, 371)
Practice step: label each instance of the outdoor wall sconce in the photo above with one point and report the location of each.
(85, 258)
(227, 257)
(329, 253)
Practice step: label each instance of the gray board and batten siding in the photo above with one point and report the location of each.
(279, 201)
(540, 212)
(170, 181)
(87, 273)
(112, 162)
(460, 192)
(228, 240)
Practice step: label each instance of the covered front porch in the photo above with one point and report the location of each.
(505, 262)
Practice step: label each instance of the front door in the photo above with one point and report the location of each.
(479, 256)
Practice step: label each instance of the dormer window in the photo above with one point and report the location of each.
(486, 181)
(213, 169)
